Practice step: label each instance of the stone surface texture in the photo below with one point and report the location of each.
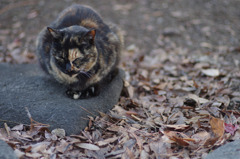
(229, 151)
(6, 152)
(27, 86)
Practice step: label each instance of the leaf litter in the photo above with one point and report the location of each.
(164, 112)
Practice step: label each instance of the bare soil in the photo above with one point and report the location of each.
(199, 26)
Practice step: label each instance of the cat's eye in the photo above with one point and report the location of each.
(77, 61)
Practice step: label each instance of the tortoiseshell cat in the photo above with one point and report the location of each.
(79, 50)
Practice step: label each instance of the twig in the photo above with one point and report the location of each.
(16, 5)
(87, 111)
(33, 122)
(135, 117)
(28, 113)
(8, 121)
(7, 129)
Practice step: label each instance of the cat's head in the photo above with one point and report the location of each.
(74, 49)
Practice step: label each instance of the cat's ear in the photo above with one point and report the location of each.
(55, 33)
(91, 35)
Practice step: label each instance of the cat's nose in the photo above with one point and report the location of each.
(68, 67)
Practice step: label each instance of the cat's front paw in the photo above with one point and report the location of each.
(91, 91)
(87, 93)
(73, 94)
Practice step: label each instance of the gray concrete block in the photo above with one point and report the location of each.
(27, 86)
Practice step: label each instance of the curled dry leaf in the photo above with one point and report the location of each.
(88, 146)
(18, 127)
(211, 72)
(197, 98)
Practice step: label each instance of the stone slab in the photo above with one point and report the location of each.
(6, 152)
(26, 85)
(229, 151)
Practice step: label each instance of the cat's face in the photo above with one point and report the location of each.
(74, 50)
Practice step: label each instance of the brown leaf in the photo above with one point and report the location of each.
(179, 141)
(217, 126)
(211, 141)
(180, 138)
(28, 149)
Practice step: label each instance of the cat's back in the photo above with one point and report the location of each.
(79, 15)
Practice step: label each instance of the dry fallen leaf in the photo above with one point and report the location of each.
(180, 138)
(177, 127)
(88, 146)
(18, 127)
(107, 141)
(217, 126)
(201, 137)
(59, 132)
(198, 99)
(211, 72)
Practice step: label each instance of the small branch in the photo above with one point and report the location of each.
(7, 129)
(87, 111)
(33, 122)
(8, 121)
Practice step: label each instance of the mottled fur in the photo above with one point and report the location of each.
(79, 50)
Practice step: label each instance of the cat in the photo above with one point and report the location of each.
(80, 51)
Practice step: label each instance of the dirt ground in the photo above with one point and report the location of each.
(181, 61)
(198, 26)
